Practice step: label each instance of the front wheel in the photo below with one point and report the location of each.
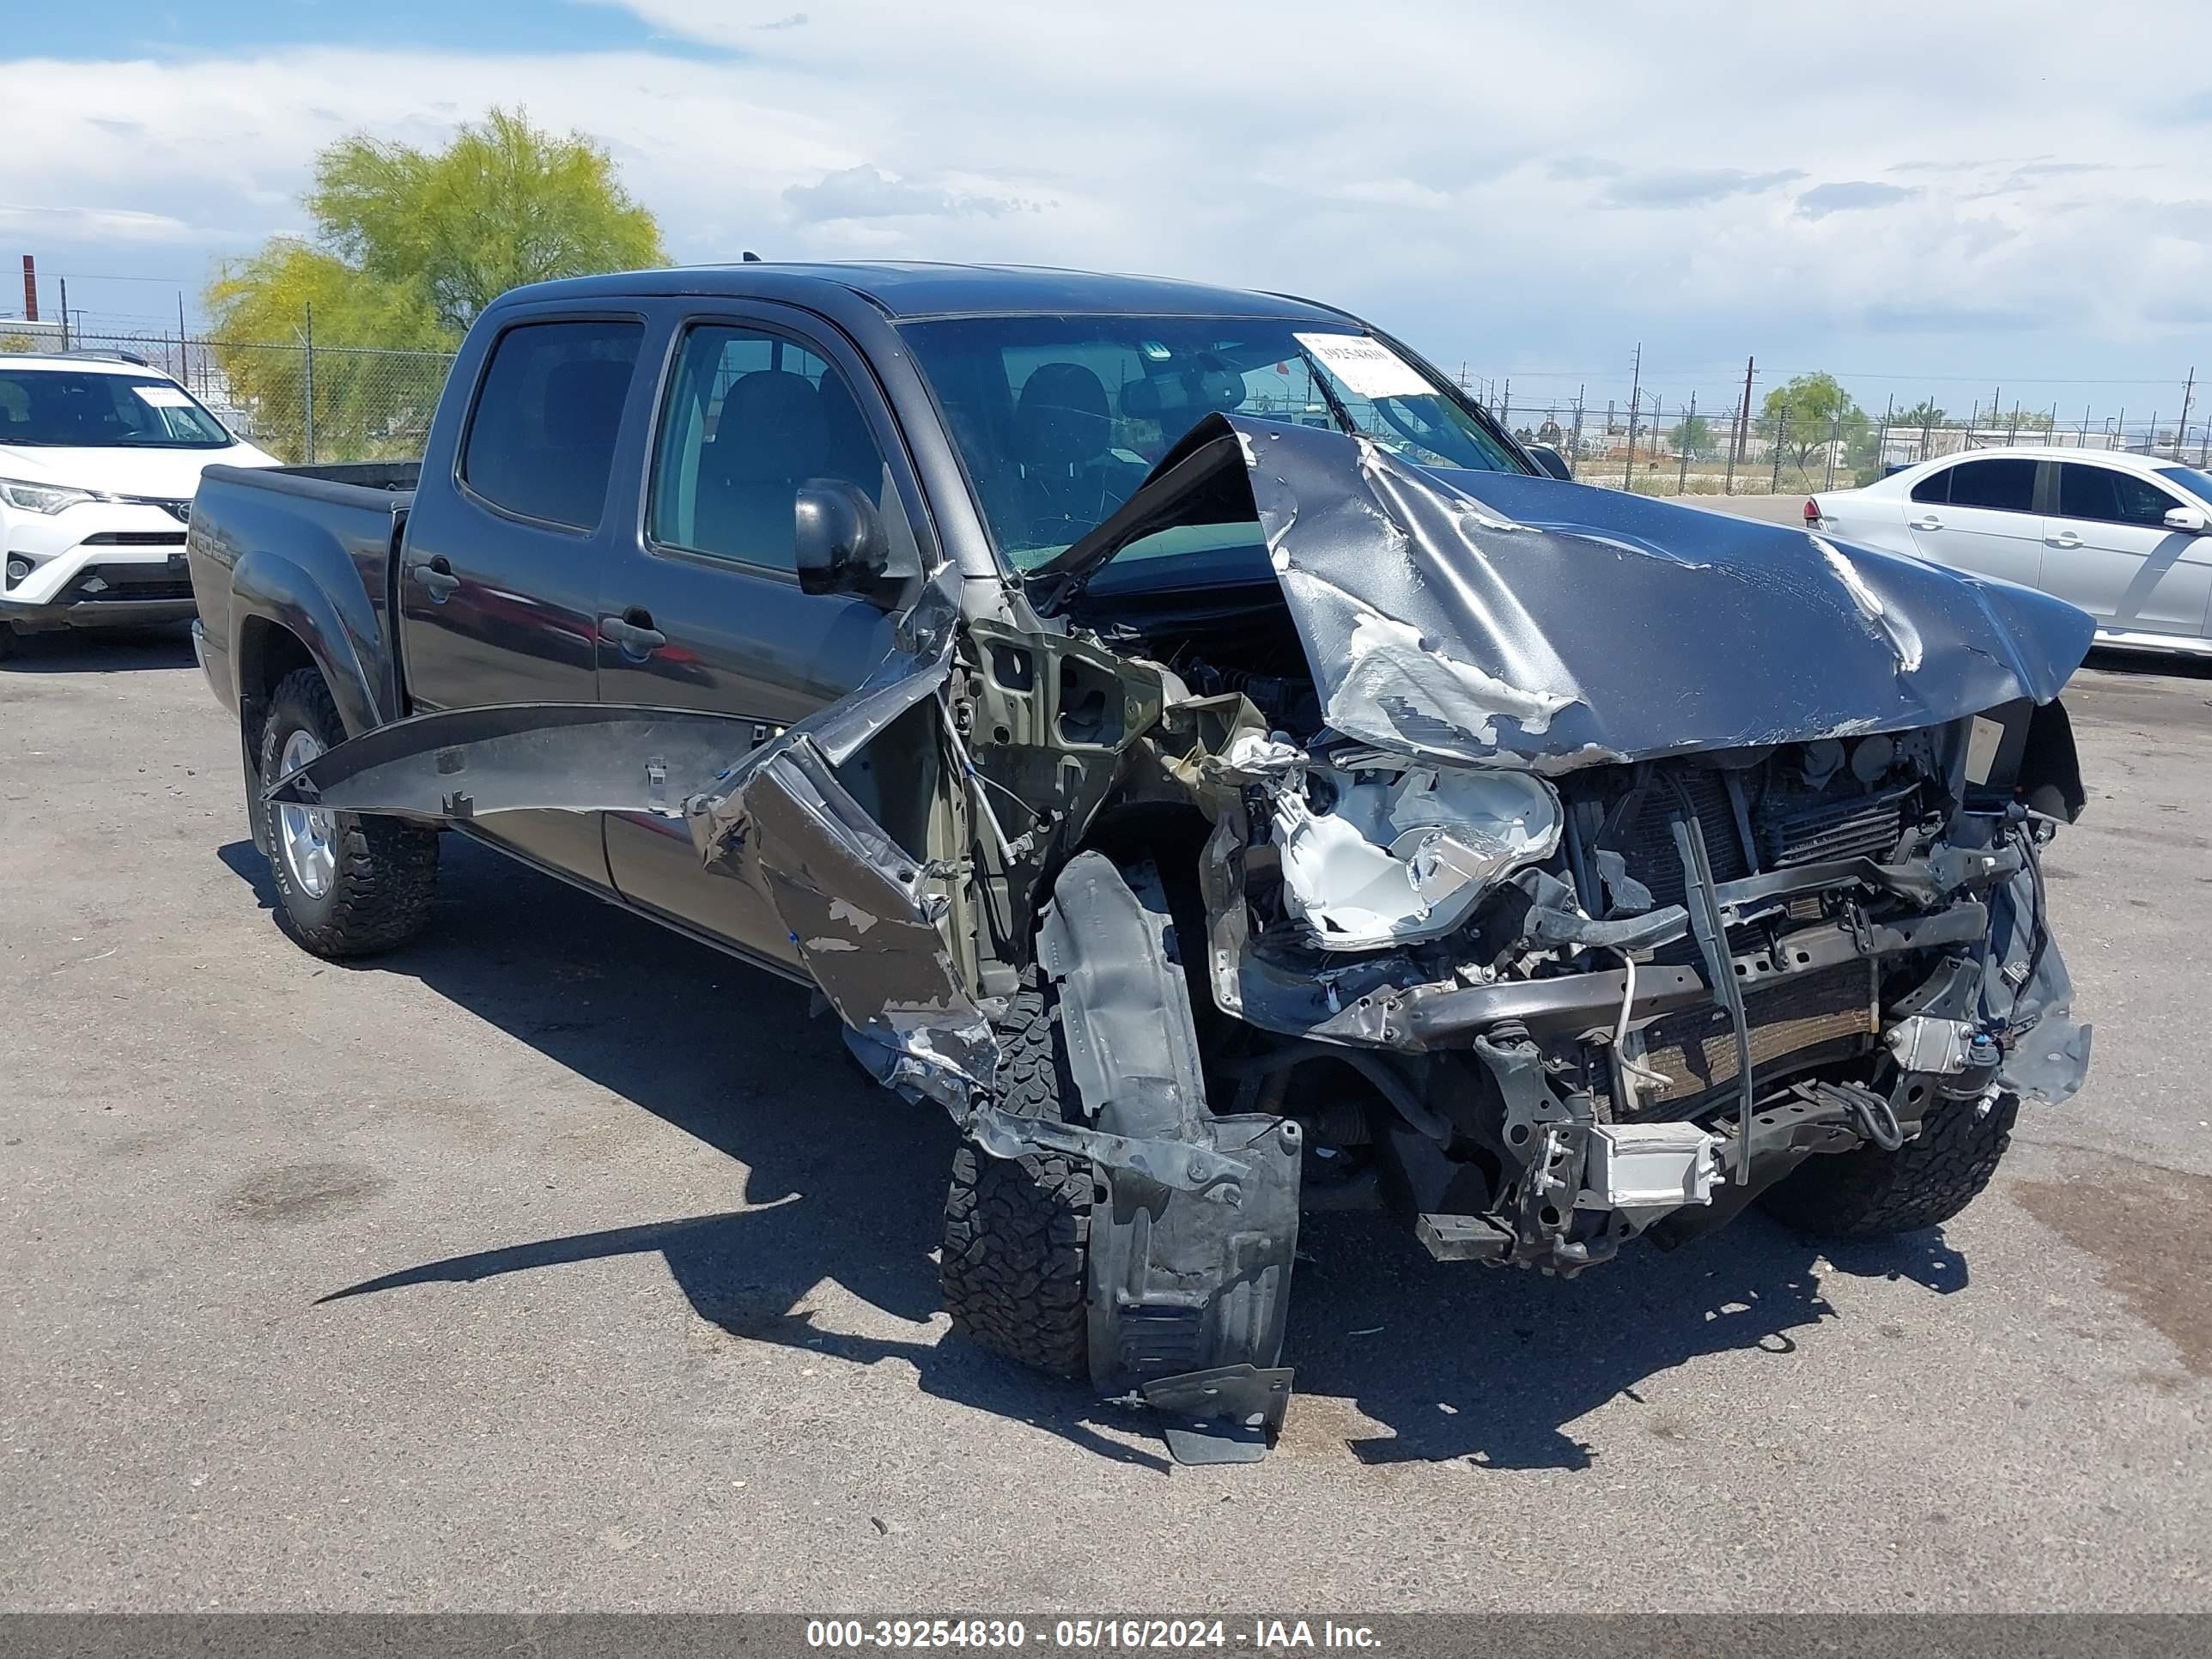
(1871, 1193)
(1017, 1231)
(348, 885)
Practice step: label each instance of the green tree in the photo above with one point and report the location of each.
(409, 246)
(1925, 413)
(1811, 411)
(1693, 437)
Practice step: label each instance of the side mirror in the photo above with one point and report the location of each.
(1551, 460)
(2193, 519)
(839, 546)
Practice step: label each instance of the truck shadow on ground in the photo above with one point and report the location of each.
(74, 651)
(843, 1182)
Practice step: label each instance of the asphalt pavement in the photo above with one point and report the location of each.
(555, 1262)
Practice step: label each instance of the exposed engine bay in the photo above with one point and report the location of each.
(1548, 866)
(1595, 1001)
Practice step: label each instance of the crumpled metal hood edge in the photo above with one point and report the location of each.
(1494, 618)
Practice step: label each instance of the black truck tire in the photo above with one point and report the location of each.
(382, 871)
(1017, 1231)
(1871, 1193)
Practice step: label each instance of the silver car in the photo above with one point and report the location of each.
(2126, 538)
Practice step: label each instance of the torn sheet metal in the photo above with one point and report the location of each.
(1488, 617)
(2027, 994)
(859, 908)
(463, 764)
(862, 917)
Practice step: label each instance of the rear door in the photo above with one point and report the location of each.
(701, 608)
(500, 568)
(2107, 549)
(1980, 515)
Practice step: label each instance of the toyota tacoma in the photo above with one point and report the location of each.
(1182, 737)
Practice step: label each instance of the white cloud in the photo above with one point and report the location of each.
(1483, 180)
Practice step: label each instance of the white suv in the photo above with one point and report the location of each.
(2126, 538)
(99, 459)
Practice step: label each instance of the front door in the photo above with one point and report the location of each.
(704, 611)
(500, 570)
(2108, 551)
(1981, 516)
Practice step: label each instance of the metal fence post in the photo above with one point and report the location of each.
(1781, 435)
(1734, 443)
(308, 387)
(1575, 447)
(1682, 448)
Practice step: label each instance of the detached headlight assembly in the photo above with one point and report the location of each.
(43, 497)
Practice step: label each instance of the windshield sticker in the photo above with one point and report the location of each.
(161, 397)
(1368, 368)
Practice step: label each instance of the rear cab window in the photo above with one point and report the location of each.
(541, 439)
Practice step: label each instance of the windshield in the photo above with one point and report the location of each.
(1058, 419)
(84, 408)
(2194, 479)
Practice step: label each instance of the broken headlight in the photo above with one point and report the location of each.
(1391, 856)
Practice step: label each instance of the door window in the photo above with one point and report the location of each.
(541, 443)
(2110, 496)
(2005, 485)
(751, 416)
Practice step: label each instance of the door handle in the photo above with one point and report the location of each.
(1926, 521)
(634, 632)
(438, 576)
(2065, 539)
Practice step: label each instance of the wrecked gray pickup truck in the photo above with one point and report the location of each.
(1189, 743)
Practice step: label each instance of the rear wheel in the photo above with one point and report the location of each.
(1871, 1193)
(349, 885)
(1017, 1231)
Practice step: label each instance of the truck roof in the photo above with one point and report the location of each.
(908, 290)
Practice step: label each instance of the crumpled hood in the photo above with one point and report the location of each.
(1491, 616)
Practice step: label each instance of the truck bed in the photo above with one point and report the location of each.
(262, 538)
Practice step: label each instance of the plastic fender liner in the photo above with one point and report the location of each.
(1178, 1285)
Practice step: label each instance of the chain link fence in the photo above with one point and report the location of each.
(304, 401)
(300, 400)
(1655, 448)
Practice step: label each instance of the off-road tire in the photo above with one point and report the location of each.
(1018, 1231)
(1871, 1193)
(385, 869)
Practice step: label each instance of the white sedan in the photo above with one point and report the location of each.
(2126, 538)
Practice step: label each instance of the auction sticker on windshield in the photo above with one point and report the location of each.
(1368, 368)
(163, 397)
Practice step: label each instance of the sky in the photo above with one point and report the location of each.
(1928, 200)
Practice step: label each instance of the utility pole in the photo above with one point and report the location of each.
(1635, 396)
(2181, 431)
(1682, 448)
(1742, 435)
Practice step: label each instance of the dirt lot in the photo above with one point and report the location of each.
(556, 1262)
